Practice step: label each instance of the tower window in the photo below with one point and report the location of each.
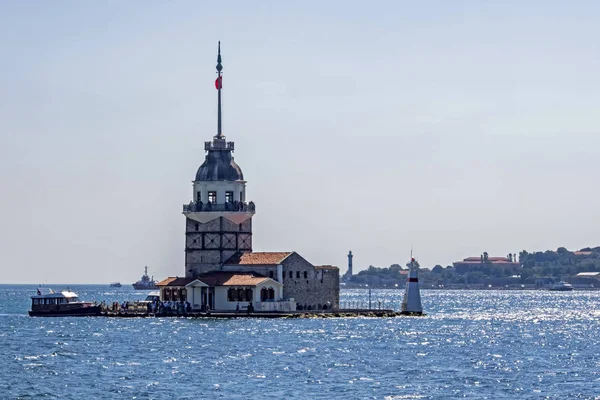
(271, 274)
(198, 196)
(305, 274)
(228, 197)
(297, 274)
(212, 197)
(291, 274)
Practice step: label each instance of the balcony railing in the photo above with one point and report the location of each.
(237, 206)
(219, 144)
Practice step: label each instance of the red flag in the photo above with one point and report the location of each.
(219, 83)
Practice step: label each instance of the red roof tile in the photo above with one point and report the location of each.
(264, 258)
(175, 281)
(478, 259)
(222, 278)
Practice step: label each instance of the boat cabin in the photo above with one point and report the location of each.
(54, 298)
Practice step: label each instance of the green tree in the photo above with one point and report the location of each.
(438, 269)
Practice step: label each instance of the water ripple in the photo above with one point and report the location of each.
(473, 344)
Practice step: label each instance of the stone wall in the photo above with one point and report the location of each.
(208, 245)
(308, 286)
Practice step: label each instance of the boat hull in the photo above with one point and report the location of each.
(144, 287)
(74, 312)
(561, 289)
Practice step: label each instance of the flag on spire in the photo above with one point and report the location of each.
(219, 83)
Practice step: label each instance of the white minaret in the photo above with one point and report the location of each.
(411, 304)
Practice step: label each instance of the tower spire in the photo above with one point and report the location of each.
(219, 85)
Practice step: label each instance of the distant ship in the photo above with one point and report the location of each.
(115, 284)
(145, 283)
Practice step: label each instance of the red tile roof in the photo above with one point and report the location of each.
(217, 278)
(175, 281)
(222, 278)
(264, 258)
(514, 263)
(489, 259)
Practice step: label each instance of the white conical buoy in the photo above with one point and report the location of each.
(411, 304)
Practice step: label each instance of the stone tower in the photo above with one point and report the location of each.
(218, 219)
(349, 272)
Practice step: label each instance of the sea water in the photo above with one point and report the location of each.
(472, 344)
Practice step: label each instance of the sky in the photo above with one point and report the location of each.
(449, 128)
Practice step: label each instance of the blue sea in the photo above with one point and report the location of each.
(472, 344)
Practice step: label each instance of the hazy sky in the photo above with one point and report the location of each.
(452, 127)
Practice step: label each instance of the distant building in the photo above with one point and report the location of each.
(221, 270)
(586, 279)
(471, 263)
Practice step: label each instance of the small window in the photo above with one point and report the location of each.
(305, 274)
(212, 197)
(297, 274)
(291, 274)
(228, 197)
(271, 274)
(197, 227)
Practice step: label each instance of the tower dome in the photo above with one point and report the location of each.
(219, 166)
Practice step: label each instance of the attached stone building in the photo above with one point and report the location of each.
(311, 287)
(218, 234)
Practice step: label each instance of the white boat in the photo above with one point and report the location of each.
(561, 286)
(60, 304)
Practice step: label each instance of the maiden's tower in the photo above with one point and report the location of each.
(221, 270)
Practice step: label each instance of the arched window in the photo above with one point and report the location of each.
(271, 293)
(241, 294)
(231, 293)
(248, 294)
(264, 294)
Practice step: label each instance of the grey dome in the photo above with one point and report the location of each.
(219, 166)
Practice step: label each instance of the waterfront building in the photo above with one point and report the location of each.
(219, 257)
(472, 263)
